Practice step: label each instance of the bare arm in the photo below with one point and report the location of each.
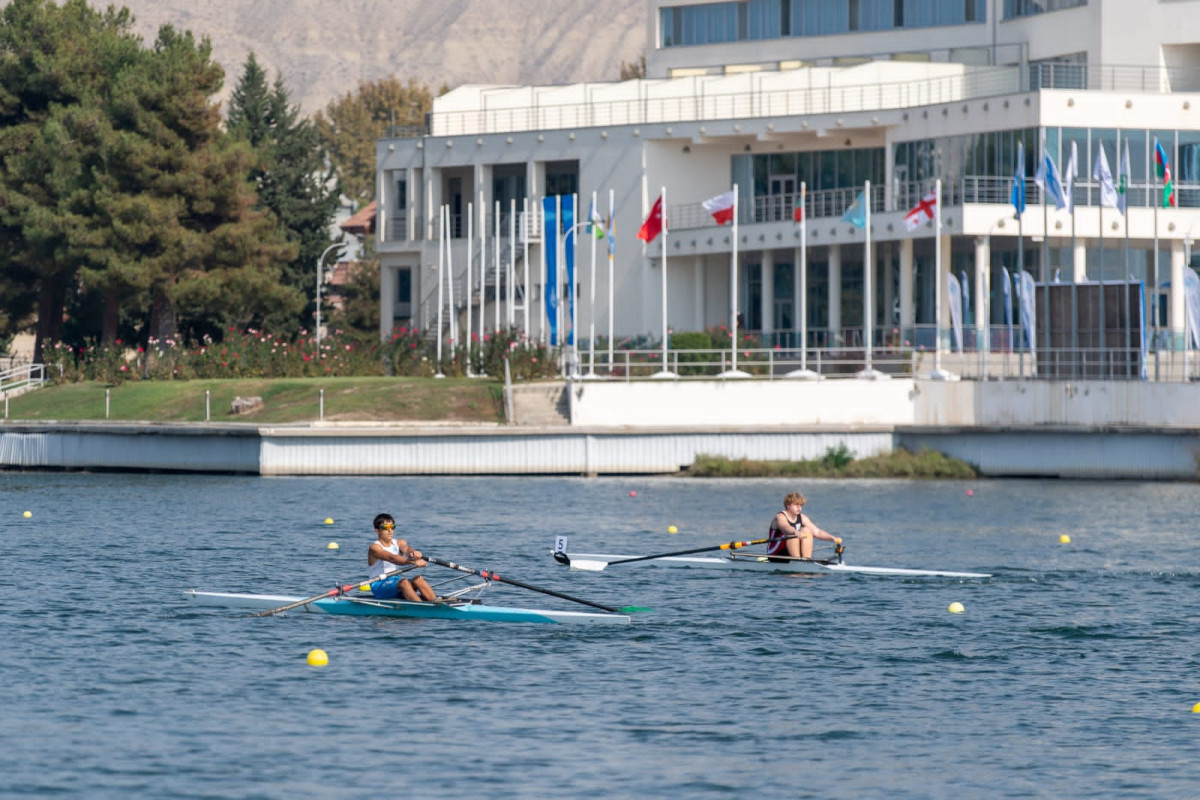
(811, 528)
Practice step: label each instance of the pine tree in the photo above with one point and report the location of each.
(290, 175)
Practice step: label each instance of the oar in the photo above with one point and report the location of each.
(334, 592)
(491, 576)
(598, 566)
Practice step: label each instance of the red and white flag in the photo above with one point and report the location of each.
(721, 207)
(798, 210)
(922, 211)
(653, 225)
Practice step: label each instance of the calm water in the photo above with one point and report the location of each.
(1072, 673)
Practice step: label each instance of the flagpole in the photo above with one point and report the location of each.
(510, 318)
(482, 266)
(937, 282)
(525, 261)
(559, 269)
(545, 288)
(733, 284)
(592, 314)
(1103, 323)
(470, 240)
(572, 338)
(664, 281)
(611, 244)
(441, 284)
(803, 276)
(867, 269)
(496, 264)
(450, 287)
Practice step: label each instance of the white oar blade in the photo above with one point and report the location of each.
(588, 566)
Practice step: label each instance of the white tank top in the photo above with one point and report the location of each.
(381, 567)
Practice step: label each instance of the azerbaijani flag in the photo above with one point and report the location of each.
(1164, 172)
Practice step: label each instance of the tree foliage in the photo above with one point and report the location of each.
(351, 124)
(123, 205)
(289, 173)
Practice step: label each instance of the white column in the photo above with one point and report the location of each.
(768, 291)
(1080, 262)
(907, 314)
(698, 293)
(1176, 308)
(835, 293)
(387, 300)
(943, 276)
(983, 260)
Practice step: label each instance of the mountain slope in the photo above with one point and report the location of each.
(325, 49)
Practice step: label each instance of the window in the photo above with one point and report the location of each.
(401, 195)
(1028, 8)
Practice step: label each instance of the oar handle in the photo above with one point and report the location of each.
(492, 576)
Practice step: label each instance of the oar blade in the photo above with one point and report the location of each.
(585, 565)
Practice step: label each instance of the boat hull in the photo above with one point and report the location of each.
(760, 563)
(373, 607)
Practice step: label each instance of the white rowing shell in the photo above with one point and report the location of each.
(594, 562)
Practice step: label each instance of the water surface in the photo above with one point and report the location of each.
(1071, 674)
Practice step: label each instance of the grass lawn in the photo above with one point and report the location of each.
(284, 400)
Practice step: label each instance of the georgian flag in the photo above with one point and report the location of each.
(921, 212)
(721, 207)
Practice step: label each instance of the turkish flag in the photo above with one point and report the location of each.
(653, 225)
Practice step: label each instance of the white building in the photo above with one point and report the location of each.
(771, 95)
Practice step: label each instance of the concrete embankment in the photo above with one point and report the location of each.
(1018, 428)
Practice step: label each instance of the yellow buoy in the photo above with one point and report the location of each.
(1196, 708)
(956, 608)
(672, 529)
(331, 546)
(1064, 539)
(27, 514)
(329, 520)
(317, 658)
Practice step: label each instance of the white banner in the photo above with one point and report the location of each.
(1191, 287)
(956, 310)
(1028, 309)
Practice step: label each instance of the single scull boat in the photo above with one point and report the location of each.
(595, 562)
(367, 606)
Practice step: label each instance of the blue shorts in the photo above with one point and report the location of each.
(387, 588)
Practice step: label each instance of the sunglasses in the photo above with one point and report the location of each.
(388, 526)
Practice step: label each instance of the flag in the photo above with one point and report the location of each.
(1070, 175)
(1123, 180)
(1006, 285)
(1028, 309)
(966, 295)
(552, 229)
(956, 327)
(1101, 172)
(856, 214)
(721, 207)
(922, 211)
(595, 224)
(1017, 195)
(653, 225)
(798, 209)
(1164, 172)
(1047, 178)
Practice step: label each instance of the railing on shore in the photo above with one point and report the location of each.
(771, 363)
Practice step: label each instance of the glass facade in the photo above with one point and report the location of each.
(1028, 8)
(755, 20)
(826, 169)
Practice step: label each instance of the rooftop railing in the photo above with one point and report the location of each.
(702, 104)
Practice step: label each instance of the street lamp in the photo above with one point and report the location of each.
(321, 280)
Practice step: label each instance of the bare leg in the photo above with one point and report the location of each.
(806, 545)
(424, 588)
(406, 591)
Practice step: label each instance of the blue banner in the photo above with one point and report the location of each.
(554, 231)
(568, 226)
(550, 245)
